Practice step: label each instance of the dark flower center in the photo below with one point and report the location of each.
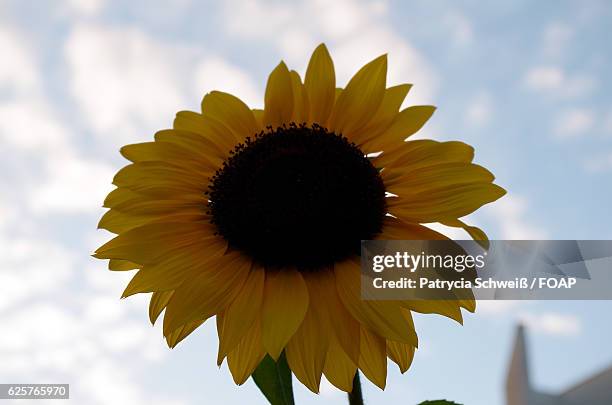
(297, 196)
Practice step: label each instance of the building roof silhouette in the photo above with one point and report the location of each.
(596, 390)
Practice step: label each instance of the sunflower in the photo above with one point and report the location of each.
(256, 217)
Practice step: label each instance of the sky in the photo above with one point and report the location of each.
(526, 83)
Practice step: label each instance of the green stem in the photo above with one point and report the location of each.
(355, 397)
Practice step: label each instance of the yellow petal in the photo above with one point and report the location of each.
(159, 300)
(165, 152)
(307, 349)
(205, 137)
(119, 195)
(476, 233)
(306, 353)
(337, 94)
(121, 265)
(448, 308)
(339, 368)
(152, 207)
(384, 117)
(406, 123)
(209, 293)
(361, 98)
(258, 114)
(149, 243)
(373, 360)
(241, 313)
(181, 333)
(170, 273)
(396, 229)
(425, 152)
(142, 175)
(468, 304)
(243, 360)
(284, 306)
(279, 97)
(119, 222)
(442, 204)
(208, 128)
(384, 317)
(231, 112)
(401, 354)
(435, 177)
(320, 84)
(300, 99)
(344, 327)
(152, 193)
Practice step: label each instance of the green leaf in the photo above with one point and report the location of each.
(439, 402)
(274, 380)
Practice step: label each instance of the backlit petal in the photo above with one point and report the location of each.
(361, 98)
(384, 117)
(231, 112)
(243, 360)
(284, 306)
(159, 300)
(373, 360)
(320, 85)
(279, 97)
(383, 317)
(401, 354)
(241, 313)
(339, 368)
(209, 293)
(406, 123)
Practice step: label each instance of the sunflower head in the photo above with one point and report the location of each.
(255, 217)
(298, 196)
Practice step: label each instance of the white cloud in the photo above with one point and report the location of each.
(30, 267)
(574, 122)
(28, 123)
(7, 214)
(215, 73)
(48, 173)
(30, 131)
(244, 17)
(355, 31)
(461, 29)
(550, 323)
(479, 110)
(61, 326)
(129, 84)
(71, 184)
(341, 19)
(18, 70)
(554, 81)
(109, 383)
(449, 231)
(607, 123)
(544, 78)
(510, 213)
(64, 181)
(556, 37)
(545, 323)
(495, 308)
(598, 164)
(406, 64)
(125, 82)
(57, 323)
(84, 7)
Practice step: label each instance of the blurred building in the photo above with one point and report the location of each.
(596, 390)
